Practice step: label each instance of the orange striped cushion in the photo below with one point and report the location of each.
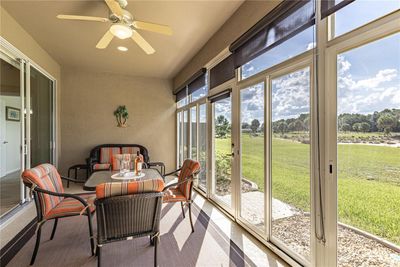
(189, 167)
(101, 166)
(46, 177)
(128, 188)
(71, 206)
(130, 150)
(107, 152)
(173, 195)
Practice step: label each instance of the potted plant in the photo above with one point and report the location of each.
(122, 115)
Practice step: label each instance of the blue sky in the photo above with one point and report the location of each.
(368, 76)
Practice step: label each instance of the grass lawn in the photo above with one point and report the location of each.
(369, 180)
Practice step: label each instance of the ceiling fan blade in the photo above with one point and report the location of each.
(152, 27)
(114, 7)
(85, 18)
(142, 43)
(105, 40)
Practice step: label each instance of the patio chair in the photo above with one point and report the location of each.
(128, 210)
(52, 203)
(181, 191)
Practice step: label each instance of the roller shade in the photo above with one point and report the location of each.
(182, 91)
(282, 23)
(181, 94)
(197, 84)
(328, 7)
(220, 96)
(222, 72)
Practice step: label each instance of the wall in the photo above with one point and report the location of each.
(13, 136)
(89, 100)
(248, 14)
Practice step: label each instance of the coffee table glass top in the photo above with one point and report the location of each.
(100, 177)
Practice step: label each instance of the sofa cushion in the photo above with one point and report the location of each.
(107, 152)
(130, 150)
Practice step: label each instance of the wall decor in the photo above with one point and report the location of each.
(122, 115)
(13, 114)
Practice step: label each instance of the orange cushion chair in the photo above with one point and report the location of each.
(52, 203)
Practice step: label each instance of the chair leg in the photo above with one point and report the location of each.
(155, 250)
(98, 252)
(35, 251)
(190, 216)
(183, 211)
(54, 229)
(91, 232)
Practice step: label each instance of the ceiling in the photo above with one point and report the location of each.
(72, 43)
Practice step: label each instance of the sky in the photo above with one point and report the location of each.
(368, 76)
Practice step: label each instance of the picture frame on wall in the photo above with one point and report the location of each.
(13, 114)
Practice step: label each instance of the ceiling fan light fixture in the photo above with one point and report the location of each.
(121, 31)
(122, 48)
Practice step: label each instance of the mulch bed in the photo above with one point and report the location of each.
(353, 248)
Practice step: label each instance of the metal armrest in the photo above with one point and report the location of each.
(189, 179)
(156, 163)
(66, 195)
(173, 172)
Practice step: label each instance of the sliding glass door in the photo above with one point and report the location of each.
(252, 156)
(26, 124)
(222, 150)
(290, 169)
(11, 133)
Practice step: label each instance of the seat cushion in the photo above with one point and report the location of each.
(101, 166)
(173, 195)
(106, 153)
(71, 206)
(129, 188)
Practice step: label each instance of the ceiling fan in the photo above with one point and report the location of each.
(123, 26)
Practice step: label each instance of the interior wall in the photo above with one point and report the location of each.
(248, 14)
(12, 135)
(89, 100)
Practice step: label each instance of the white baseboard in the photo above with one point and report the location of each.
(11, 171)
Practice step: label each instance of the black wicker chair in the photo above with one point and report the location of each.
(126, 217)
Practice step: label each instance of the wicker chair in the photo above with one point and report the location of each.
(128, 210)
(182, 190)
(52, 203)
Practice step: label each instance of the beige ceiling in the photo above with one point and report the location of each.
(72, 43)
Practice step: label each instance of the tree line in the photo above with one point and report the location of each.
(386, 121)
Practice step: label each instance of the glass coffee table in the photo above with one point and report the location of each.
(100, 177)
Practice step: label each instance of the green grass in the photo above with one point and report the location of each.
(369, 180)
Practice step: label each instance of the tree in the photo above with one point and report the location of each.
(254, 125)
(356, 127)
(364, 127)
(296, 125)
(387, 122)
(245, 125)
(222, 126)
(345, 127)
(281, 127)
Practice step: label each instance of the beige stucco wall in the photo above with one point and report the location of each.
(89, 100)
(243, 19)
(23, 41)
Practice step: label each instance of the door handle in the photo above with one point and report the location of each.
(230, 154)
(5, 142)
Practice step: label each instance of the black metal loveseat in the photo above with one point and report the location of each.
(100, 158)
